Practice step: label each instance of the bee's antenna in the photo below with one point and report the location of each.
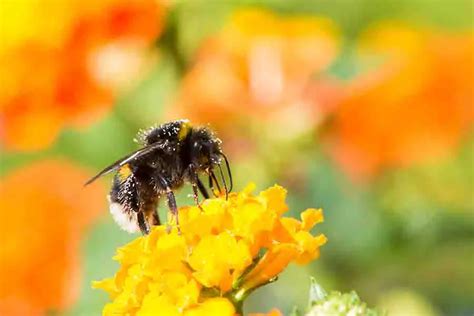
(224, 182)
(228, 172)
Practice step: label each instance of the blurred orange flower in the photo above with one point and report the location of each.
(415, 106)
(60, 62)
(259, 66)
(44, 210)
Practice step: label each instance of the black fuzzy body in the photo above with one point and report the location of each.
(172, 154)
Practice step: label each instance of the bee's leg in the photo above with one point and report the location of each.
(202, 189)
(151, 217)
(172, 205)
(156, 218)
(171, 200)
(197, 185)
(143, 223)
(151, 212)
(196, 196)
(147, 203)
(212, 180)
(211, 185)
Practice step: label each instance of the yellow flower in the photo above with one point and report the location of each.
(216, 256)
(213, 264)
(213, 306)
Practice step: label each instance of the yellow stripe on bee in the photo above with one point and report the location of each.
(124, 172)
(184, 131)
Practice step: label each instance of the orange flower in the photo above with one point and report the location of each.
(259, 66)
(273, 312)
(294, 243)
(214, 264)
(44, 210)
(62, 71)
(416, 106)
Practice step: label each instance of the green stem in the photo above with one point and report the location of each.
(238, 296)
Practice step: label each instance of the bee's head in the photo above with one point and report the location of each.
(206, 153)
(206, 149)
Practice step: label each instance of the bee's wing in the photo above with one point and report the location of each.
(119, 163)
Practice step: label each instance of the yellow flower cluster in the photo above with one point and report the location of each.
(216, 260)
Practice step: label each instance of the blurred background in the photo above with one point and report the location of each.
(361, 107)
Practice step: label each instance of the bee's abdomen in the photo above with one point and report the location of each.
(124, 204)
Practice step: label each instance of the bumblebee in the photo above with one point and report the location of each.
(171, 154)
